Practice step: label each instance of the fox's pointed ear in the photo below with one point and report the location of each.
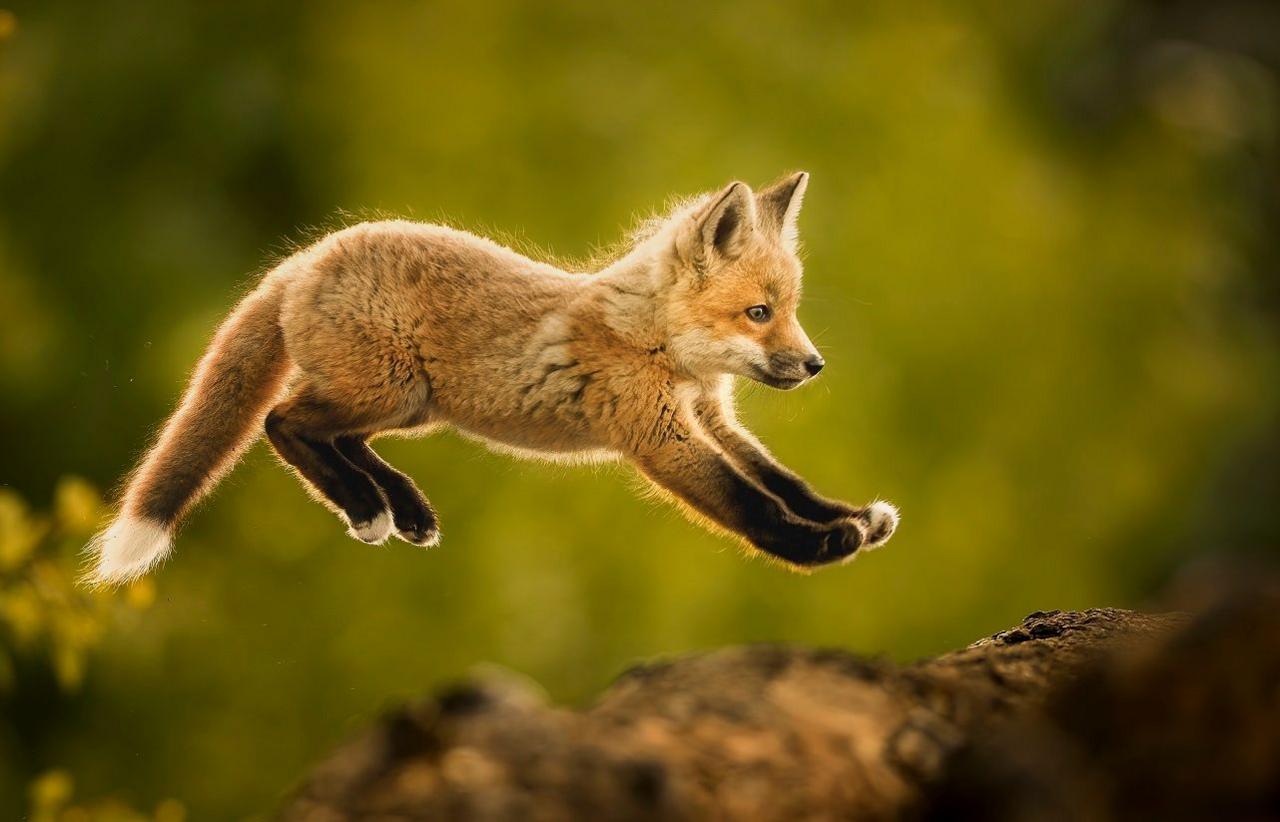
(779, 206)
(720, 230)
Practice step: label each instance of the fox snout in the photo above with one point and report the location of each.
(791, 368)
(793, 359)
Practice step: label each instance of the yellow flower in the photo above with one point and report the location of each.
(77, 506)
(21, 610)
(49, 792)
(19, 531)
(171, 810)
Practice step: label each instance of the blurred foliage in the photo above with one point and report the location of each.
(51, 800)
(1041, 264)
(49, 624)
(42, 610)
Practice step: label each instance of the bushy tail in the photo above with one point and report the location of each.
(220, 416)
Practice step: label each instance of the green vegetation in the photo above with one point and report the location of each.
(1035, 252)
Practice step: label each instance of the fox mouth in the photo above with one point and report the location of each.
(774, 381)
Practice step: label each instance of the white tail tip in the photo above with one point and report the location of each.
(128, 549)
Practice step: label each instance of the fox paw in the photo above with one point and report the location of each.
(374, 531)
(414, 521)
(427, 537)
(880, 520)
(847, 537)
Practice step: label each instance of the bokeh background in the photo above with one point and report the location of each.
(1041, 252)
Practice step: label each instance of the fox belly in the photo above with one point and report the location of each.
(563, 449)
(513, 414)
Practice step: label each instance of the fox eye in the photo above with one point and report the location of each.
(759, 313)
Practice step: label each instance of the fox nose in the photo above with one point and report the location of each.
(814, 364)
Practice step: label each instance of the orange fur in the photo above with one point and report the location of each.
(401, 326)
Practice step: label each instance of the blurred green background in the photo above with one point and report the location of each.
(1041, 262)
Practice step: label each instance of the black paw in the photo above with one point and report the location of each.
(812, 546)
(422, 538)
(415, 522)
(843, 540)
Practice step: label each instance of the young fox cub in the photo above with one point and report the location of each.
(401, 326)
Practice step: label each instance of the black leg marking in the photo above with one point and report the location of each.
(414, 518)
(339, 481)
(771, 528)
(796, 494)
(705, 479)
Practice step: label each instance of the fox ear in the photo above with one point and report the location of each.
(722, 228)
(779, 206)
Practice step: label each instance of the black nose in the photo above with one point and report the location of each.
(813, 365)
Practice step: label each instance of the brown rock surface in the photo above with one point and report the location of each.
(1102, 713)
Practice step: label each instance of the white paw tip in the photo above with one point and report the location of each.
(375, 531)
(126, 550)
(431, 540)
(881, 521)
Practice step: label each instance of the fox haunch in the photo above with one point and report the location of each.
(400, 327)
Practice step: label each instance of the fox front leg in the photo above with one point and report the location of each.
(879, 519)
(701, 477)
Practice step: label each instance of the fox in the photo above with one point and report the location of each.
(398, 327)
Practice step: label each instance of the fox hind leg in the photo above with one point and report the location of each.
(300, 431)
(414, 519)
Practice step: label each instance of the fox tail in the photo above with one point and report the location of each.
(220, 415)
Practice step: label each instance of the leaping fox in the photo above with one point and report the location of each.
(399, 326)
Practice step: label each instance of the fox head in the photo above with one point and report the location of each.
(732, 309)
